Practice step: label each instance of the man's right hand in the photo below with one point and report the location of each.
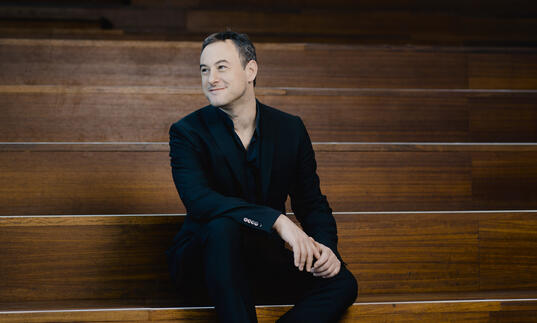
(304, 247)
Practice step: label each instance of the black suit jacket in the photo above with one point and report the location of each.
(210, 185)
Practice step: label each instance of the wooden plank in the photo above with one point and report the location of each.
(122, 257)
(507, 186)
(421, 26)
(71, 114)
(396, 253)
(110, 182)
(115, 63)
(495, 71)
(472, 311)
(331, 147)
(507, 251)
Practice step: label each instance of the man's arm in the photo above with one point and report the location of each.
(311, 207)
(201, 201)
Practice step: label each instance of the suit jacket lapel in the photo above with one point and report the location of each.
(268, 140)
(225, 143)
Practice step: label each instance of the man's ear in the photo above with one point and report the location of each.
(251, 70)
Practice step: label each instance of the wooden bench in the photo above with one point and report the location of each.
(175, 64)
(429, 168)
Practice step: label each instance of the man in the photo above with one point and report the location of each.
(234, 163)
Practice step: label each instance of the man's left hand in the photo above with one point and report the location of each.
(327, 265)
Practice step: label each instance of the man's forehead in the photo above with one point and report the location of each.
(220, 50)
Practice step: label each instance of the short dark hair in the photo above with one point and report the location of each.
(242, 42)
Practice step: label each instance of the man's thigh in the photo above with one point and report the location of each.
(269, 267)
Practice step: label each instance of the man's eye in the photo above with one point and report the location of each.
(204, 70)
(222, 67)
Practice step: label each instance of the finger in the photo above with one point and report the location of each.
(329, 271)
(328, 267)
(316, 249)
(303, 254)
(325, 255)
(296, 254)
(322, 266)
(335, 272)
(309, 258)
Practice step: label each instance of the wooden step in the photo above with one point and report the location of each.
(110, 113)
(154, 63)
(476, 310)
(121, 258)
(99, 178)
(441, 22)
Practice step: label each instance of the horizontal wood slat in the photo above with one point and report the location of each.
(70, 114)
(469, 311)
(343, 21)
(421, 26)
(175, 64)
(112, 182)
(122, 258)
(317, 146)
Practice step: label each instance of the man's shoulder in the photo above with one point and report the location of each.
(279, 117)
(192, 120)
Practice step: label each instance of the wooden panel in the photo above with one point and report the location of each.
(109, 182)
(496, 71)
(398, 253)
(342, 21)
(509, 118)
(87, 183)
(70, 62)
(508, 255)
(476, 311)
(121, 258)
(72, 114)
(140, 182)
(504, 180)
(421, 26)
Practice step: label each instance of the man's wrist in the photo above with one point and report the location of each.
(278, 222)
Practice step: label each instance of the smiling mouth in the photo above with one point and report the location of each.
(218, 89)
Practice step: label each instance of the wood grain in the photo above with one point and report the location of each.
(116, 258)
(441, 22)
(141, 114)
(111, 182)
(116, 63)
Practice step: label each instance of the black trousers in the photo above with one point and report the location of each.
(234, 268)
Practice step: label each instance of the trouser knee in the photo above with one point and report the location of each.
(222, 252)
(347, 287)
(221, 234)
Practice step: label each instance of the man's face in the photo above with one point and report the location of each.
(223, 79)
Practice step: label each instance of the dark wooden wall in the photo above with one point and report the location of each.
(455, 22)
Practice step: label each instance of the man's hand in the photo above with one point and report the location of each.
(304, 247)
(327, 265)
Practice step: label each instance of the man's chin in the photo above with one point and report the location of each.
(217, 103)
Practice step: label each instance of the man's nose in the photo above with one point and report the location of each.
(213, 76)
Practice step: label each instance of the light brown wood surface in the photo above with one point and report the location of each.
(129, 63)
(122, 257)
(124, 182)
(144, 114)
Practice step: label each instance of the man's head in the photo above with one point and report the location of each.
(228, 67)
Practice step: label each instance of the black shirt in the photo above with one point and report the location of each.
(249, 157)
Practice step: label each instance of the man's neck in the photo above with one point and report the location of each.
(243, 114)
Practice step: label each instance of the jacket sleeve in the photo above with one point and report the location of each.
(308, 203)
(201, 201)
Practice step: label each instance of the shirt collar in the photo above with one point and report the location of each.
(229, 122)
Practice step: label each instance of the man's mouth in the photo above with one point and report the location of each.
(216, 89)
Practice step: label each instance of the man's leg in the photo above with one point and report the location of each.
(325, 299)
(213, 260)
(316, 299)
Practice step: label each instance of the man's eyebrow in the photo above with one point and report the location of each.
(220, 61)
